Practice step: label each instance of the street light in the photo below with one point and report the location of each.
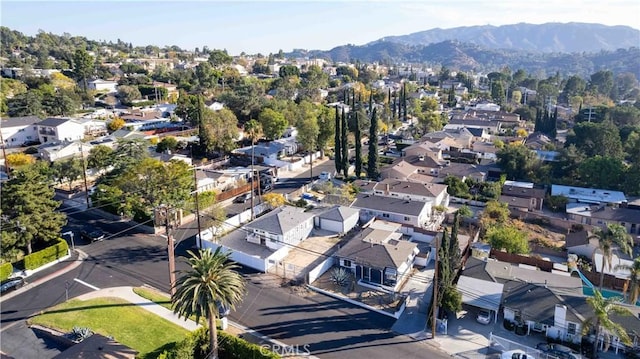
(70, 234)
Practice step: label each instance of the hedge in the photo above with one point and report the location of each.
(196, 345)
(47, 255)
(5, 270)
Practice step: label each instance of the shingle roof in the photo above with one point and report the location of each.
(522, 192)
(389, 204)
(19, 121)
(53, 121)
(281, 220)
(339, 213)
(377, 248)
(419, 189)
(516, 202)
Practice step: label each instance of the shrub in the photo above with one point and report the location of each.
(196, 346)
(5, 270)
(47, 255)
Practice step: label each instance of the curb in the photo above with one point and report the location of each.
(76, 263)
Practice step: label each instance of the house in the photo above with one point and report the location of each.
(378, 257)
(98, 346)
(602, 216)
(16, 131)
(53, 151)
(283, 227)
(425, 192)
(537, 141)
(102, 85)
(339, 219)
(491, 126)
(54, 129)
(399, 210)
(534, 197)
(588, 195)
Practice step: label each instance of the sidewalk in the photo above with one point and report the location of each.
(413, 320)
(37, 277)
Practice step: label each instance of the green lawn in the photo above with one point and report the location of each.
(128, 324)
(163, 300)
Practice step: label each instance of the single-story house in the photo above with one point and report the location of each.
(378, 257)
(588, 195)
(602, 216)
(284, 226)
(535, 196)
(399, 210)
(56, 151)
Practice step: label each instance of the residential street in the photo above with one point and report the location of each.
(331, 328)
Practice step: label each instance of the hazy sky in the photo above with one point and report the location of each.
(267, 26)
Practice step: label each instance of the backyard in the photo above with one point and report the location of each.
(134, 327)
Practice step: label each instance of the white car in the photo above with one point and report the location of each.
(484, 317)
(325, 176)
(515, 354)
(206, 235)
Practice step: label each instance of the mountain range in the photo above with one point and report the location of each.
(572, 48)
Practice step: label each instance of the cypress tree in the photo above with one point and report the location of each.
(353, 100)
(337, 151)
(395, 116)
(372, 163)
(404, 102)
(344, 146)
(370, 102)
(358, 155)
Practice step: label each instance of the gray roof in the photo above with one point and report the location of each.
(53, 121)
(474, 268)
(281, 220)
(504, 271)
(377, 248)
(237, 241)
(625, 215)
(537, 302)
(339, 213)
(419, 189)
(522, 192)
(19, 121)
(516, 202)
(389, 204)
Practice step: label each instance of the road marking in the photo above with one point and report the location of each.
(87, 284)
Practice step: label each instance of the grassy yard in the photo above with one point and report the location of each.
(163, 300)
(126, 323)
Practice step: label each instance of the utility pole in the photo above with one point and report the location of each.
(84, 176)
(165, 213)
(435, 291)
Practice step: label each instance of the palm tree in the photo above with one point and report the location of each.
(634, 279)
(211, 282)
(602, 309)
(253, 129)
(614, 235)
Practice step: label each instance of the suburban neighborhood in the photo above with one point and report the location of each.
(284, 205)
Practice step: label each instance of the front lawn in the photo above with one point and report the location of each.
(128, 324)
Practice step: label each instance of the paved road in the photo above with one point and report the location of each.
(288, 185)
(330, 328)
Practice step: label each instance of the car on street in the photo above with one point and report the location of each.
(11, 284)
(242, 198)
(92, 235)
(515, 354)
(559, 351)
(483, 317)
(324, 176)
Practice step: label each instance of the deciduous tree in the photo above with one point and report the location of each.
(508, 238)
(273, 123)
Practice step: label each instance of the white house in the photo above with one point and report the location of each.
(399, 210)
(102, 85)
(57, 151)
(285, 226)
(337, 219)
(19, 130)
(55, 129)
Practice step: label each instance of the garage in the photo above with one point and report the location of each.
(481, 293)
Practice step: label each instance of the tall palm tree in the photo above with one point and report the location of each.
(600, 320)
(211, 282)
(634, 279)
(253, 129)
(614, 235)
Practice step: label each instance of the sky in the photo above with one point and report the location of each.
(268, 26)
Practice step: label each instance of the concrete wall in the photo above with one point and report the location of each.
(320, 269)
(239, 257)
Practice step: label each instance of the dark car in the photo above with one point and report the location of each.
(92, 235)
(559, 351)
(11, 284)
(242, 198)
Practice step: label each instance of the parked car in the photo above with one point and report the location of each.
(558, 350)
(93, 235)
(484, 317)
(11, 284)
(515, 354)
(242, 198)
(325, 176)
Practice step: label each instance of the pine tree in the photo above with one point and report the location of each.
(344, 146)
(358, 154)
(338, 144)
(372, 163)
